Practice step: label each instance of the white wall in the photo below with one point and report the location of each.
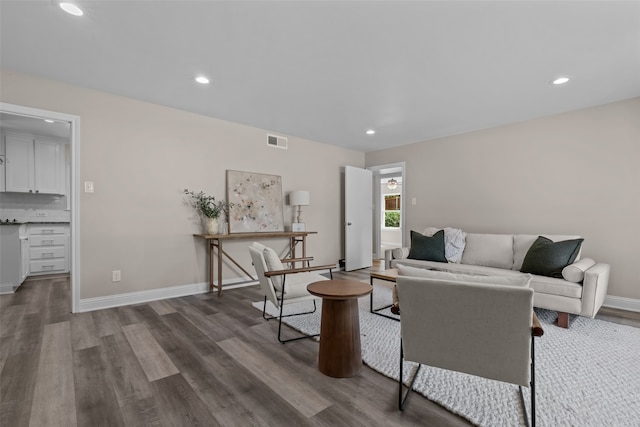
(572, 173)
(141, 156)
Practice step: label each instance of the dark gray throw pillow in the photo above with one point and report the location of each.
(427, 248)
(547, 258)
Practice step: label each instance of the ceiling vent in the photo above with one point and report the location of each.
(277, 141)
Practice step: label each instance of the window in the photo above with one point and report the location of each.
(392, 210)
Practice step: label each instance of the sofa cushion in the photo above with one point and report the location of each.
(489, 250)
(575, 272)
(553, 286)
(427, 248)
(522, 243)
(547, 258)
(520, 280)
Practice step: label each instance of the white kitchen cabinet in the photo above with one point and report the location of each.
(48, 248)
(33, 165)
(9, 258)
(24, 253)
(19, 173)
(3, 163)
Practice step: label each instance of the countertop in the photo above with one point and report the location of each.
(33, 222)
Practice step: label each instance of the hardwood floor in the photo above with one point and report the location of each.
(196, 360)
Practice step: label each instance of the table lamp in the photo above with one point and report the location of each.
(299, 198)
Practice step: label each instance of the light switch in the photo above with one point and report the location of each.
(88, 186)
(414, 201)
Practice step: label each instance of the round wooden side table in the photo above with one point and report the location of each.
(340, 355)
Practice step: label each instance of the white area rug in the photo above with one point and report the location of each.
(588, 375)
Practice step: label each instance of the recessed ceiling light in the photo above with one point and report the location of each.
(71, 9)
(202, 80)
(371, 132)
(560, 80)
(49, 121)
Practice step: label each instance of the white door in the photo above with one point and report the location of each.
(358, 215)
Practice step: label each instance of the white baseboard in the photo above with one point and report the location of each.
(622, 303)
(7, 288)
(118, 300)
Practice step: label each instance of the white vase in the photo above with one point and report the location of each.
(210, 225)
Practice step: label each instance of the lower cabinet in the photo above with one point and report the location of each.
(24, 253)
(48, 248)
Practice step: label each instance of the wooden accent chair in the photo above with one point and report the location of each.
(282, 285)
(480, 329)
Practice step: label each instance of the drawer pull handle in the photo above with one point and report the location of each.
(47, 241)
(47, 254)
(47, 267)
(47, 231)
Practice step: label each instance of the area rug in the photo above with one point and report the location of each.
(588, 375)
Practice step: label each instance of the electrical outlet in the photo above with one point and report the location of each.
(88, 186)
(116, 276)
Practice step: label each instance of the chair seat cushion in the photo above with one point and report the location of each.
(295, 285)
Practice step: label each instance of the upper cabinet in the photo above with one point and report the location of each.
(33, 165)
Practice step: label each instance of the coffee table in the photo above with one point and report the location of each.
(340, 353)
(390, 276)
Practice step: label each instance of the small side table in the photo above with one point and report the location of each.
(390, 275)
(340, 354)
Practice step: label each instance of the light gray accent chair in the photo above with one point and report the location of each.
(481, 329)
(581, 291)
(282, 285)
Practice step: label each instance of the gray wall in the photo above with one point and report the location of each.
(140, 157)
(572, 173)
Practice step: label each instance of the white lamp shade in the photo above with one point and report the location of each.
(299, 198)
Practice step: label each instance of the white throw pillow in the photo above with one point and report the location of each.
(273, 262)
(575, 272)
(522, 281)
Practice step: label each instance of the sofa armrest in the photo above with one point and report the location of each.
(594, 289)
(397, 253)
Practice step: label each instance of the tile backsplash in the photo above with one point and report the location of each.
(26, 207)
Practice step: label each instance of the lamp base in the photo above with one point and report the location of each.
(298, 226)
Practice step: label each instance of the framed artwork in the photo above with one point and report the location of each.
(257, 202)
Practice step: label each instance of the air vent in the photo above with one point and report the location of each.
(277, 141)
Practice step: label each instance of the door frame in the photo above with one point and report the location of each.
(378, 172)
(74, 218)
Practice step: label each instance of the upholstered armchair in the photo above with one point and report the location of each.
(281, 285)
(480, 329)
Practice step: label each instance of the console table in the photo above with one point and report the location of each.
(216, 240)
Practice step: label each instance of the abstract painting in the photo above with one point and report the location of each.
(257, 202)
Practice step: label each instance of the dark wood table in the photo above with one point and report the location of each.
(340, 354)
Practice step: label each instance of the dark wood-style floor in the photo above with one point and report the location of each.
(195, 360)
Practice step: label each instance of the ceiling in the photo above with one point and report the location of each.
(330, 70)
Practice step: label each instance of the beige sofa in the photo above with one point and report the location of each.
(581, 291)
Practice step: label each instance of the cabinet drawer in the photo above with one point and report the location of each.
(41, 266)
(47, 253)
(47, 229)
(53, 240)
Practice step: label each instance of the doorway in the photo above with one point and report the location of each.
(389, 207)
(25, 114)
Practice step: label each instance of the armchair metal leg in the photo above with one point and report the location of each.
(403, 399)
(532, 384)
(264, 316)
